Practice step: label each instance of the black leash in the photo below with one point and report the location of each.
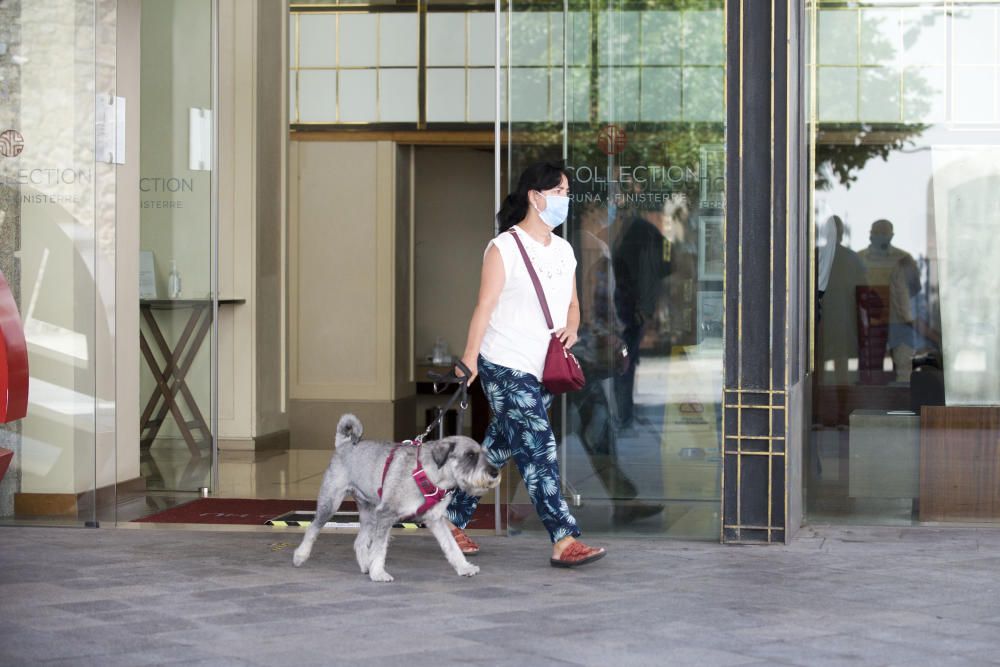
(461, 394)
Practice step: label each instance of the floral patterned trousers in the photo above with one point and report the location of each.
(520, 429)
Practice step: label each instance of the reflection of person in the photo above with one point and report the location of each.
(896, 269)
(507, 344)
(598, 322)
(641, 261)
(841, 271)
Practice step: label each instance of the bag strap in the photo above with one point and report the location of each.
(534, 280)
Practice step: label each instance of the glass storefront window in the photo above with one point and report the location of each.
(176, 246)
(905, 127)
(639, 119)
(56, 213)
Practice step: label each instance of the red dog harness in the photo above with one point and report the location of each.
(432, 494)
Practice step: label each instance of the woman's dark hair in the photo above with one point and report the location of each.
(538, 176)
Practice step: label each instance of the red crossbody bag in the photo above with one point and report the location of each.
(562, 371)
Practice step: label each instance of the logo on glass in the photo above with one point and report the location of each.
(611, 139)
(11, 143)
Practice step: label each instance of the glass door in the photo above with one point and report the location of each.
(177, 266)
(631, 96)
(56, 210)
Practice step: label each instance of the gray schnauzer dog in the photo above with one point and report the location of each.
(387, 493)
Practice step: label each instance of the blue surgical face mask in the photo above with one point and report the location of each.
(556, 210)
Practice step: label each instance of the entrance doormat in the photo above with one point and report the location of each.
(258, 512)
(241, 511)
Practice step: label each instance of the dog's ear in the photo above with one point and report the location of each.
(442, 450)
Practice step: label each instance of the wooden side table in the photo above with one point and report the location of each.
(171, 382)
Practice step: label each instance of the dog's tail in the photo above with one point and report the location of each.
(349, 430)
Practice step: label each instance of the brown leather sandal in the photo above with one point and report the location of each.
(465, 543)
(577, 554)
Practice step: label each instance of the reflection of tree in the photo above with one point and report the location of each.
(843, 149)
(589, 49)
(656, 146)
(668, 144)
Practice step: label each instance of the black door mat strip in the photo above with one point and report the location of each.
(340, 520)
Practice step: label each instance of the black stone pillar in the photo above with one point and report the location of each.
(764, 268)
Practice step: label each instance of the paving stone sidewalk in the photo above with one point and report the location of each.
(836, 596)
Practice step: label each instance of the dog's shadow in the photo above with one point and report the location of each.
(414, 558)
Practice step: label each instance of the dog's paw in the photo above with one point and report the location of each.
(364, 560)
(300, 557)
(382, 576)
(467, 570)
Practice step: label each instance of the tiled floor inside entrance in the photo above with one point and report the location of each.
(670, 458)
(297, 474)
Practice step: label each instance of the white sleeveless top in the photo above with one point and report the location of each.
(517, 336)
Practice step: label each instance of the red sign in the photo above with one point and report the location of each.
(611, 139)
(13, 358)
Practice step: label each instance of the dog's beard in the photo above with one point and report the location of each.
(481, 484)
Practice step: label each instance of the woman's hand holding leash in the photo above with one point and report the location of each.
(470, 362)
(567, 337)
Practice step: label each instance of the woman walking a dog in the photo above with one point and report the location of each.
(506, 346)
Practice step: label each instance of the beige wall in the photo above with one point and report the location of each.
(272, 203)
(237, 208)
(252, 150)
(372, 284)
(348, 290)
(252, 220)
(341, 270)
(454, 222)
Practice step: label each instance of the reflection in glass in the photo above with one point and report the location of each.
(56, 206)
(906, 413)
(644, 142)
(175, 184)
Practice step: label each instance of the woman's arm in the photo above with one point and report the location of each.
(490, 285)
(568, 335)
